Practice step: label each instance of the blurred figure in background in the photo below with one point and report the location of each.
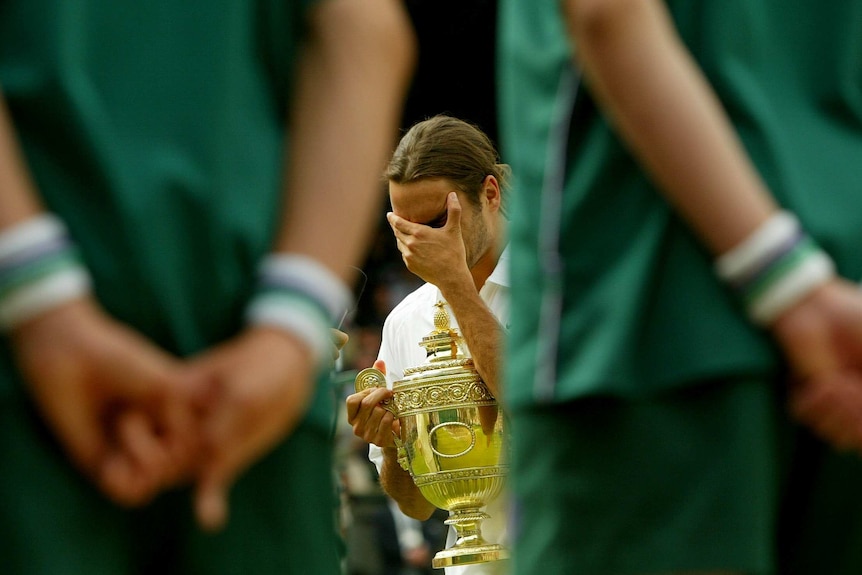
(410, 544)
(687, 205)
(183, 189)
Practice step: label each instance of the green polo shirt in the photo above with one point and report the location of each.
(611, 293)
(156, 130)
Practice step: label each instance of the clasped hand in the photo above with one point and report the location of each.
(822, 339)
(138, 421)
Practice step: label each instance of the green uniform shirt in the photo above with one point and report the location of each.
(155, 129)
(611, 293)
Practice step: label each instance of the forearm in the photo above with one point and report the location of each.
(346, 109)
(398, 484)
(480, 329)
(662, 105)
(18, 198)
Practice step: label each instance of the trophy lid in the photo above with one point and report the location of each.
(447, 378)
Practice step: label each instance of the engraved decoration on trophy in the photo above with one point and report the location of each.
(452, 440)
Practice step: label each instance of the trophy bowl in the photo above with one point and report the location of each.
(452, 440)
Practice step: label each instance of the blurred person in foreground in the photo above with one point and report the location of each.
(687, 208)
(183, 189)
(446, 187)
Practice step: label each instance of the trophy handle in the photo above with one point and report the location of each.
(368, 378)
(372, 377)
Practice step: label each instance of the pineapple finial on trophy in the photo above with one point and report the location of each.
(441, 318)
(444, 339)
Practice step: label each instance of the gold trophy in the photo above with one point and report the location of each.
(452, 441)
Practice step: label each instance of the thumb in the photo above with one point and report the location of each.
(339, 338)
(453, 208)
(216, 472)
(381, 365)
(211, 497)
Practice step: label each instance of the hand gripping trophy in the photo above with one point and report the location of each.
(452, 440)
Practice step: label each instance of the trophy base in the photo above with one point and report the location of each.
(469, 555)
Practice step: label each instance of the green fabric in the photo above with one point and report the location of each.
(53, 521)
(821, 529)
(624, 287)
(156, 130)
(623, 460)
(683, 483)
(710, 478)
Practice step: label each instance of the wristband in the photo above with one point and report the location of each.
(812, 272)
(302, 297)
(775, 268)
(40, 268)
(763, 245)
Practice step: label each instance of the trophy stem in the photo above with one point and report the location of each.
(468, 526)
(470, 546)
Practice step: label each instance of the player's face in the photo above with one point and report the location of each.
(424, 202)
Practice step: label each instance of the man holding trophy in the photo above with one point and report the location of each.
(446, 189)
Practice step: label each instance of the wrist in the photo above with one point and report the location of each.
(301, 297)
(775, 268)
(457, 287)
(395, 461)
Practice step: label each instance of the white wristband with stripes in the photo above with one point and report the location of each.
(40, 269)
(775, 268)
(301, 296)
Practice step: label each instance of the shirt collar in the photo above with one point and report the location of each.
(500, 275)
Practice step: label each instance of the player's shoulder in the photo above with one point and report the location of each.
(422, 298)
